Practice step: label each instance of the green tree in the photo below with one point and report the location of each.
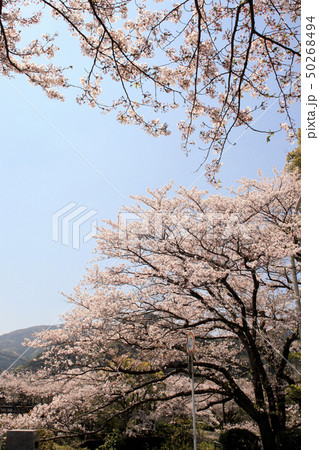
(294, 157)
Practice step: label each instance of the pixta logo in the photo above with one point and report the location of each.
(70, 225)
(157, 225)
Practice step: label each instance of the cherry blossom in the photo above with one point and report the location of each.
(223, 62)
(219, 266)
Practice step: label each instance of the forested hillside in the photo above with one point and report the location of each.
(12, 352)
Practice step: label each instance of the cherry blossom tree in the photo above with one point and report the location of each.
(223, 62)
(218, 266)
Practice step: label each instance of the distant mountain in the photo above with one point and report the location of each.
(12, 352)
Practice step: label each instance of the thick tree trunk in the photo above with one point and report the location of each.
(267, 434)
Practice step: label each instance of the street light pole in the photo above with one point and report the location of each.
(193, 401)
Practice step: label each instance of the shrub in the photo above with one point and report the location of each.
(175, 435)
(289, 439)
(239, 439)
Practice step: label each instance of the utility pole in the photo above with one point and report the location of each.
(190, 351)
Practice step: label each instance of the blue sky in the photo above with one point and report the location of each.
(44, 144)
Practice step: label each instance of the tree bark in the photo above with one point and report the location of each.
(267, 435)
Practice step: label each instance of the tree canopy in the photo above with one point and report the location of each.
(224, 62)
(219, 266)
(294, 157)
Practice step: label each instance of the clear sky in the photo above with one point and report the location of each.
(55, 153)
